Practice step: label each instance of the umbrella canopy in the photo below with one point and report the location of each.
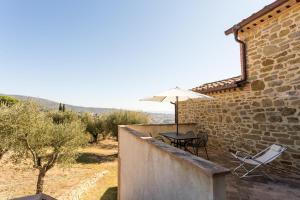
(173, 96)
(176, 93)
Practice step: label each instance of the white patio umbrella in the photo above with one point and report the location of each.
(174, 96)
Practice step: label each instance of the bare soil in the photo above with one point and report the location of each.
(18, 180)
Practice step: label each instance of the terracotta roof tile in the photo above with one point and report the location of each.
(218, 85)
(259, 14)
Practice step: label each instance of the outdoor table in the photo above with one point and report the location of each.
(179, 140)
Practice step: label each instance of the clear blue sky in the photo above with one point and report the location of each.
(110, 53)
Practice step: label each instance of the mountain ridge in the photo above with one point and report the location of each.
(156, 118)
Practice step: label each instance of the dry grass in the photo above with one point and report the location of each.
(20, 180)
(106, 188)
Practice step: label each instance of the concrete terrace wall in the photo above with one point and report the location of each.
(150, 169)
(155, 129)
(267, 109)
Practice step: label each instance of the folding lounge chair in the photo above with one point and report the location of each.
(259, 160)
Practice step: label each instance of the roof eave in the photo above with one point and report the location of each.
(256, 15)
(217, 89)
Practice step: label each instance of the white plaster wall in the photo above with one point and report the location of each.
(148, 172)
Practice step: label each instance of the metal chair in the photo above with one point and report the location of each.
(190, 133)
(199, 142)
(182, 144)
(259, 160)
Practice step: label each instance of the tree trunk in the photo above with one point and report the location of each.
(95, 138)
(2, 152)
(40, 181)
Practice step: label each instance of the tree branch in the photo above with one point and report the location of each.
(51, 161)
(36, 160)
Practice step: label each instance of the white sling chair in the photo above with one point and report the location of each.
(262, 158)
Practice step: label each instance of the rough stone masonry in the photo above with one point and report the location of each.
(267, 109)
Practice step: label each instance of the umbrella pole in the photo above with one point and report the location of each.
(176, 113)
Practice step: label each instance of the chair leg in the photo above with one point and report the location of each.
(250, 171)
(206, 153)
(195, 151)
(235, 169)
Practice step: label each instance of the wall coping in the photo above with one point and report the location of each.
(172, 124)
(205, 166)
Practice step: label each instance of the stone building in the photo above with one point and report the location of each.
(262, 106)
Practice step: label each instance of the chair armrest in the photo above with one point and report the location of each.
(257, 161)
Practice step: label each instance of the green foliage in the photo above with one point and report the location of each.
(8, 101)
(6, 128)
(114, 119)
(108, 124)
(34, 135)
(35, 132)
(95, 126)
(60, 107)
(63, 117)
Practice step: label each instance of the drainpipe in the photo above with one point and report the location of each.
(243, 56)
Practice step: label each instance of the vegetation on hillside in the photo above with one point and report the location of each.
(95, 126)
(6, 129)
(105, 125)
(8, 101)
(124, 118)
(33, 134)
(49, 138)
(156, 118)
(5, 123)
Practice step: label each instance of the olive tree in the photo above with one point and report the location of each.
(123, 117)
(59, 117)
(6, 125)
(95, 126)
(45, 142)
(6, 128)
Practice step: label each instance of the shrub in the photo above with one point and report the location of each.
(95, 126)
(63, 117)
(114, 119)
(8, 101)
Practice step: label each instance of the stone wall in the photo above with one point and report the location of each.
(267, 109)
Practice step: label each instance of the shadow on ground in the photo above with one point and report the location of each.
(110, 194)
(107, 146)
(92, 158)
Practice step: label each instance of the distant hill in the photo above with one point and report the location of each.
(156, 118)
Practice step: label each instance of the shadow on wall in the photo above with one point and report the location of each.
(91, 158)
(110, 194)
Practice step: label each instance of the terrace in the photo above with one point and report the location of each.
(253, 111)
(151, 169)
